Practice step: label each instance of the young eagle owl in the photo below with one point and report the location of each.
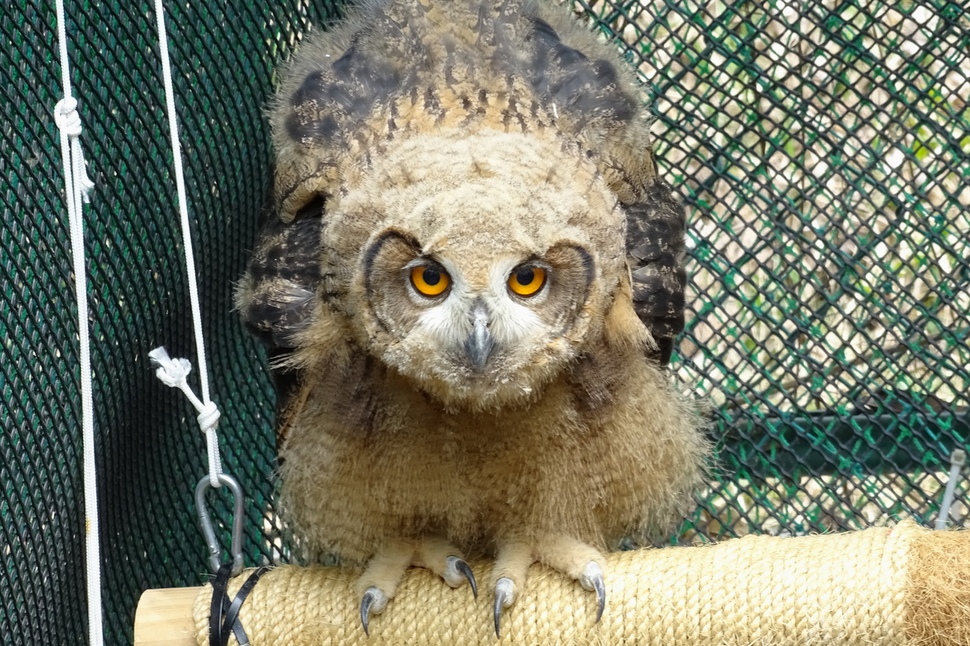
(469, 287)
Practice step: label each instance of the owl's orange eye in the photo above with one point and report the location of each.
(527, 280)
(429, 280)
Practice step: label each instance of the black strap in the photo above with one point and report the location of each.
(216, 608)
(223, 614)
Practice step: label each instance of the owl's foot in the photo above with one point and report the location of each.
(571, 557)
(437, 555)
(378, 584)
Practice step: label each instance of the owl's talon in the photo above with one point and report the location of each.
(592, 579)
(373, 600)
(504, 595)
(461, 566)
(600, 597)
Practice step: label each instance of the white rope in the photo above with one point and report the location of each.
(76, 187)
(173, 372)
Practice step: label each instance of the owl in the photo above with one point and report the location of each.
(469, 286)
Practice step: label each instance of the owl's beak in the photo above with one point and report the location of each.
(479, 344)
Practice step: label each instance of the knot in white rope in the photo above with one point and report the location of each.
(68, 121)
(171, 372)
(209, 417)
(67, 118)
(174, 372)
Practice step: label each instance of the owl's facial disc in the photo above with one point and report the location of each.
(479, 329)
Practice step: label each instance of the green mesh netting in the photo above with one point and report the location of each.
(823, 151)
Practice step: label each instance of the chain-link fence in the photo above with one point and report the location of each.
(822, 150)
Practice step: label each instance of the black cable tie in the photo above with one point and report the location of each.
(223, 614)
(216, 608)
(232, 615)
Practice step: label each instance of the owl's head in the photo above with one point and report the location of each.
(477, 267)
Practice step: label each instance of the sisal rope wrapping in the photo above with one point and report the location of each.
(878, 586)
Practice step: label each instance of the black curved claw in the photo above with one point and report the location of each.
(503, 594)
(365, 604)
(497, 612)
(600, 588)
(463, 567)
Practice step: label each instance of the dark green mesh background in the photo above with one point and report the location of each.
(823, 155)
(151, 452)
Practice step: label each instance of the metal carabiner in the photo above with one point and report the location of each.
(209, 533)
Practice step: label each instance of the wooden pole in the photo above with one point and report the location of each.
(883, 586)
(164, 617)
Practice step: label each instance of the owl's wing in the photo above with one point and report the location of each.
(655, 251)
(276, 298)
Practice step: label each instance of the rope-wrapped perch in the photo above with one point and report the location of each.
(899, 585)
